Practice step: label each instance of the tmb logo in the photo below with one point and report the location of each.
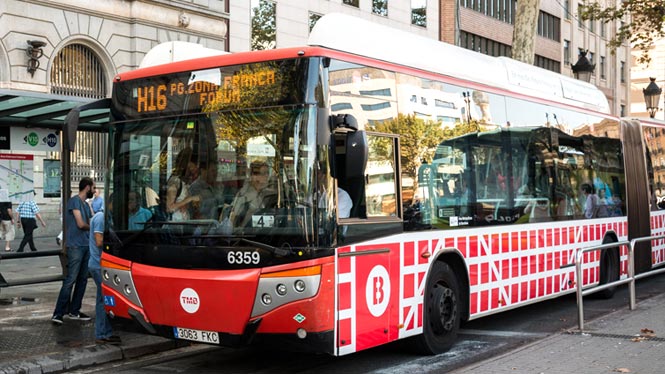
(189, 300)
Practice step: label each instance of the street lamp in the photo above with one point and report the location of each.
(583, 68)
(652, 97)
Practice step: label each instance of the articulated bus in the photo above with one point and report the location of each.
(471, 205)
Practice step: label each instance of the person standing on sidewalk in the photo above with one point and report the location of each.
(77, 219)
(103, 330)
(27, 214)
(7, 231)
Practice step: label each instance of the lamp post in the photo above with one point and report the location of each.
(583, 69)
(652, 97)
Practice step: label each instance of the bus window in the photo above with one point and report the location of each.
(380, 187)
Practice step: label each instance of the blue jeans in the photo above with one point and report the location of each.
(77, 277)
(102, 323)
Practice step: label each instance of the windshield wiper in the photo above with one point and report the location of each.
(274, 250)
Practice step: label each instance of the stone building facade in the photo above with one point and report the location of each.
(77, 47)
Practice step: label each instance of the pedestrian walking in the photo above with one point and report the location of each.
(103, 330)
(27, 214)
(77, 221)
(7, 231)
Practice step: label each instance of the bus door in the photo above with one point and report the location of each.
(368, 274)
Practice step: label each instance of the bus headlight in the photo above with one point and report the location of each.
(283, 287)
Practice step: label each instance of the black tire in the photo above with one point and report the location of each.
(609, 270)
(441, 311)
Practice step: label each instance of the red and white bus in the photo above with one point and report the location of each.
(490, 221)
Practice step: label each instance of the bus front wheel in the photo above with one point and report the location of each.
(441, 311)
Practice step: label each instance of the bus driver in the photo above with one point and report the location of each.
(251, 196)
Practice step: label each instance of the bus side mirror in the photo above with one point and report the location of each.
(344, 125)
(343, 122)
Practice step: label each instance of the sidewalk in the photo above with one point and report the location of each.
(30, 343)
(624, 341)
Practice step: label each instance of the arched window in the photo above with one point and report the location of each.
(76, 71)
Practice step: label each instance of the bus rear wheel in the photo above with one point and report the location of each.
(441, 311)
(609, 270)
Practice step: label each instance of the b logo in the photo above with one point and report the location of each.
(377, 290)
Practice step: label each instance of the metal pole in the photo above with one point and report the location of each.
(631, 274)
(578, 273)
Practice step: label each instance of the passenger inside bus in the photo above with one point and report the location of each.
(138, 215)
(205, 187)
(178, 197)
(252, 196)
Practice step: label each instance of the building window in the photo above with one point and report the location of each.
(351, 2)
(313, 18)
(622, 110)
(622, 72)
(264, 24)
(580, 22)
(77, 71)
(603, 29)
(444, 104)
(566, 52)
(502, 10)
(602, 67)
(548, 64)
(341, 106)
(377, 92)
(549, 26)
(380, 7)
(379, 106)
(566, 9)
(419, 13)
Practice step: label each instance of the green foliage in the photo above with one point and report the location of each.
(418, 139)
(264, 25)
(647, 23)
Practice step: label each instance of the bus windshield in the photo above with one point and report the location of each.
(210, 182)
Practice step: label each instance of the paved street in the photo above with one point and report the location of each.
(624, 341)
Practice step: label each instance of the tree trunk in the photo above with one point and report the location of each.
(524, 33)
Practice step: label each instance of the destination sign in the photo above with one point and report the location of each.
(156, 95)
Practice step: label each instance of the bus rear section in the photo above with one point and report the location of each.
(291, 305)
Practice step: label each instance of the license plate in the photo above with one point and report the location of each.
(202, 336)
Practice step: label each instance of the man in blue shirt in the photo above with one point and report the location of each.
(97, 202)
(77, 221)
(103, 330)
(138, 215)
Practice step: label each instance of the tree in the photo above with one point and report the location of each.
(647, 23)
(418, 140)
(264, 25)
(524, 32)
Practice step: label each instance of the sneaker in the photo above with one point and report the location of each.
(113, 339)
(80, 316)
(56, 319)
